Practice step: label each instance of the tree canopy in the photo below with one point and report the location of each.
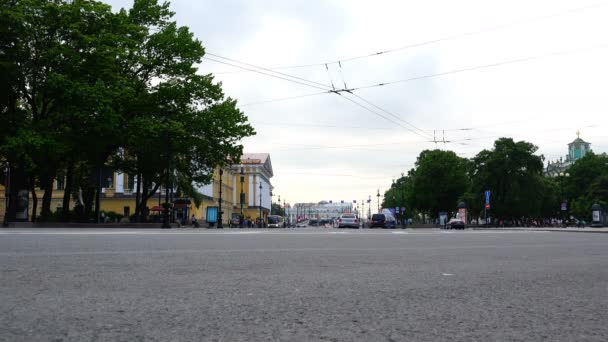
(84, 87)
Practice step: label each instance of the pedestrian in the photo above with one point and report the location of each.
(194, 222)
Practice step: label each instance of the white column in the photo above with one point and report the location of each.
(234, 186)
(251, 191)
(120, 182)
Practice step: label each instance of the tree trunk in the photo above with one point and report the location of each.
(67, 191)
(145, 194)
(17, 181)
(47, 186)
(88, 195)
(144, 199)
(34, 198)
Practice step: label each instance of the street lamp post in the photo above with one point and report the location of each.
(242, 196)
(261, 219)
(564, 203)
(166, 223)
(220, 223)
(369, 206)
(279, 213)
(378, 195)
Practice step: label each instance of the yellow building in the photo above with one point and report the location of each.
(252, 179)
(119, 194)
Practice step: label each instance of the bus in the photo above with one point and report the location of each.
(275, 221)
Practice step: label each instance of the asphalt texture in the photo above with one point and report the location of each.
(302, 285)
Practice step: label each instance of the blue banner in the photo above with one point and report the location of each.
(212, 214)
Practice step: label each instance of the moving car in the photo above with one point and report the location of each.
(456, 223)
(378, 220)
(348, 220)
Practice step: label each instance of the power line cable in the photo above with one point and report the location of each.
(452, 37)
(267, 74)
(310, 85)
(380, 115)
(525, 59)
(519, 60)
(283, 99)
(269, 70)
(389, 113)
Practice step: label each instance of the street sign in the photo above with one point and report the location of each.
(564, 206)
(488, 193)
(397, 209)
(488, 206)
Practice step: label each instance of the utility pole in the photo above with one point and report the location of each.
(242, 196)
(261, 219)
(220, 223)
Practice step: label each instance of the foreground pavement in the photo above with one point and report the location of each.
(302, 285)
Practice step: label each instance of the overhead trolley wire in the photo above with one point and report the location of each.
(267, 69)
(437, 40)
(267, 74)
(486, 66)
(389, 113)
(326, 90)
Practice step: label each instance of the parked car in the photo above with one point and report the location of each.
(378, 220)
(456, 223)
(348, 220)
(302, 224)
(313, 223)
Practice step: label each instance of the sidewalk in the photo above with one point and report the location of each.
(549, 229)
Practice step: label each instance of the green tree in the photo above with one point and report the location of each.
(439, 180)
(179, 124)
(587, 184)
(83, 85)
(513, 173)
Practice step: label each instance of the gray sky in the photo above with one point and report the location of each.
(324, 147)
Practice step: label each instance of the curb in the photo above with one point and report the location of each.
(545, 230)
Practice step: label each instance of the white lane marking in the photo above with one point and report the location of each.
(447, 274)
(400, 232)
(337, 233)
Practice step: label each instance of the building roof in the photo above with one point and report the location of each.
(262, 157)
(258, 159)
(578, 141)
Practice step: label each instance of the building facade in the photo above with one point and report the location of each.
(252, 193)
(322, 210)
(118, 194)
(576, 150)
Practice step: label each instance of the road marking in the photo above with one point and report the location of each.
(400, 232)
(447, 274)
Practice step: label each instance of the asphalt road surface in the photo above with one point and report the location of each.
(302, 285)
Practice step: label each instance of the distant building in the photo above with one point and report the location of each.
(322, 210)
(576, 150)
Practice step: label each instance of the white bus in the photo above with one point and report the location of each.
(275, 221)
